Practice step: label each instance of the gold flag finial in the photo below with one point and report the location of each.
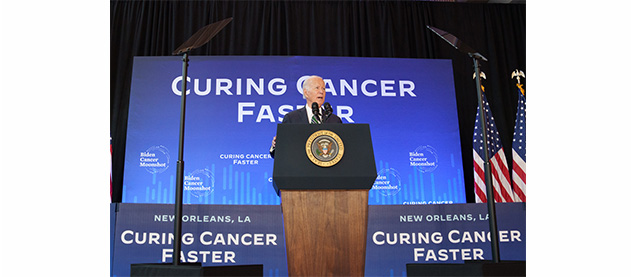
(482, 76)
(518, 73)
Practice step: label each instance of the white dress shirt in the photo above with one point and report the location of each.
(310, 114)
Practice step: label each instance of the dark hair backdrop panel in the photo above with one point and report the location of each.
(394, 29)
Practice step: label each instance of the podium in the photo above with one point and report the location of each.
(323, 174)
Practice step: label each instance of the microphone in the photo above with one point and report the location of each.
(316, 110)
(327, 110)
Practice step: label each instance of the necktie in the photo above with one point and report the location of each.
(314, 119)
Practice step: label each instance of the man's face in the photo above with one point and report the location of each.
(314, 91)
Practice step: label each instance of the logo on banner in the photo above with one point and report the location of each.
(200, 182)
(388, 182)
(424, 158)
(155, 159)
(324, 148)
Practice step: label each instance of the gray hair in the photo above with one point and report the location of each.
(304, 84)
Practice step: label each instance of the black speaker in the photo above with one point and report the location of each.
(469, 268)
(195, 269)
(233, 270)
(166, 270)
(504, 268)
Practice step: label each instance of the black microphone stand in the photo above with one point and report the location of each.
(201, 37)
(488, 181)
(490, 197)
(179, 186)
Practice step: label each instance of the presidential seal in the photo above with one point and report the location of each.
(324, 148)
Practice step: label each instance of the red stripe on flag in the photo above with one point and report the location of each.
(480, 193)
(519, 182)
(519, 194)
(506, 181)
(496, 169)
(477, 168)
(519, 171)
(497, 197)
(480, 187)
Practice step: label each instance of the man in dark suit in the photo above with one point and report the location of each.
(313, 90)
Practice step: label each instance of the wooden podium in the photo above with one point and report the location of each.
(324, 199)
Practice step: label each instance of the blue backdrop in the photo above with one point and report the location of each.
(234, 104)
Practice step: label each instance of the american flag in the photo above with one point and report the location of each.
(499, 167)
(519, 149)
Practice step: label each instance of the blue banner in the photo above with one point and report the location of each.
(402, 234)
(211, 235)
(253, 234)
(234, 104)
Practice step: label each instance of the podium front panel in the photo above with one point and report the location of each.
(294, 170)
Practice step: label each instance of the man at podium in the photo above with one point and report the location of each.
(315, 111)
(323, 174)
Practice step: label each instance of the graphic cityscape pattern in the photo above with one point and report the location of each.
(418, 188)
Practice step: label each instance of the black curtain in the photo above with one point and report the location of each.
(393, 29)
